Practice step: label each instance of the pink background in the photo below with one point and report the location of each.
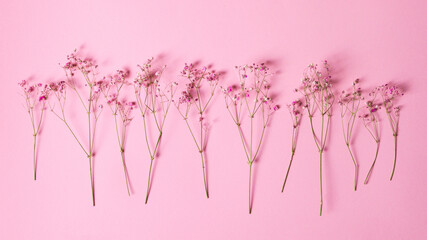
(377, 41)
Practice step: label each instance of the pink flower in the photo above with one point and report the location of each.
(22, 83)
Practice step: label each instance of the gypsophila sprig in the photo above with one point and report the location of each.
(35, 96)
(111, 87)
(200, 89)
(317, 91)
(389, 95)
(349, 102)
(295, 110)
(154, 98)
(371, 123)
(86, 69)
(250, 99)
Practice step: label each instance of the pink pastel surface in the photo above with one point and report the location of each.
(376, 41)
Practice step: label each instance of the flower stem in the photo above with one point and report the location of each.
(122, 152)
(204, 175)
(34, 157)
(373, 163)
(321, 189)
(149, 179)
(91, 181)
(395, 155)
(90, 147)
(355, 167)
(289, 167)
(250, 174)
(125, 170)
(201, 152)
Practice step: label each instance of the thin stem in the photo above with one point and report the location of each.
(34, 156)
(210, 98)
(326, 131)
(91, 181)
(347, 139)
(240, 130)
(74, 135)
(35, 133)
(146, 135)
(260, 141)
(149, 179)
(204, 175)
(201, 154)
(194, 138)
(250, 174)
(321, 185)
(252, 118)
(124, 170)
(90, 147)
(122, 151)
(151, 164)
(395, 155)
(312, 130)
(81, 100)
(287, 172)
(373, 163)
(160, 125)
(157, 143)
(355, 167)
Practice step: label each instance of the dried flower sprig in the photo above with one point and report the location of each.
(87, 68)
(111, 88)
(295, 110)
(35, 97)
(192, 96)
(389, 94)
(252, 93)
(153, 100)
(350, 105)
(319, 97)
(371, 123)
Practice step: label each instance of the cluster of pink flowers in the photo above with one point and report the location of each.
(185, 97)
(57, 86)
(36, 91)
(258, 86)
(195, 77)
(295, 109)
(75, 63)
(147, 77)
(317, 88)
(390, 94)
(347, 97)
(125, 109)
(111, 85)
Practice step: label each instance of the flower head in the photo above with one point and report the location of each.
(76, 63)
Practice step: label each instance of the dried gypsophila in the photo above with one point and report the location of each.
(253, 95)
